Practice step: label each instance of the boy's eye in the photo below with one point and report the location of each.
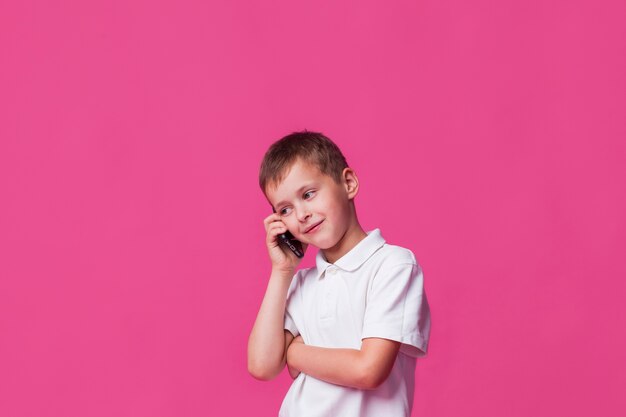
(282, 211)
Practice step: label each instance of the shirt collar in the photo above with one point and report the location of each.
(355, 256)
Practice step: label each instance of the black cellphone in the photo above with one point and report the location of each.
(289, 241)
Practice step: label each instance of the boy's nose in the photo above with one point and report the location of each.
(302, 214)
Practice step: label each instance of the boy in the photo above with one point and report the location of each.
(350, 328)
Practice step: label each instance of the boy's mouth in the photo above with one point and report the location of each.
(312, 226)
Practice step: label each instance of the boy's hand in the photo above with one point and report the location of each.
(282, 259)
(293, 372)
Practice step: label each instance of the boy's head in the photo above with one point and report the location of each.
(306, 179)
(311, 147)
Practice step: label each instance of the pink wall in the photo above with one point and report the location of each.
(489, 137)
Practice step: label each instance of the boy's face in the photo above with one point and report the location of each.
(307, 197)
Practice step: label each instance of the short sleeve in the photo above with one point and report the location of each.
(397, 308)
(291, 306)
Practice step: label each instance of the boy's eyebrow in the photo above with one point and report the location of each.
(298, 191)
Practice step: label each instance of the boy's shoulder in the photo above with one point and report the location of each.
(391, 255)
(388, 255)
(385, 257)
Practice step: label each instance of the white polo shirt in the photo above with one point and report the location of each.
(374, 290)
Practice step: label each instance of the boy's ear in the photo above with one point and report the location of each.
(350, 182)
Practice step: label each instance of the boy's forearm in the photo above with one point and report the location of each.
(335, 365)
(266, 344)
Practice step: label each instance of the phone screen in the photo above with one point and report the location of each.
(289, 241)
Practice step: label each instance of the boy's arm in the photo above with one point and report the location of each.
(268, 341)
(293, 372)
(363, 369)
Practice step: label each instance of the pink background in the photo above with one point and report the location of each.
(489, 137)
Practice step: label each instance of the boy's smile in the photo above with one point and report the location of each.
(314, 228)
(317, 210)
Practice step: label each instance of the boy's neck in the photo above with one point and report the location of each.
(353, 235)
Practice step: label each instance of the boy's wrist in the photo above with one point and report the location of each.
(282, 274)
(291, 359)
(292, 352)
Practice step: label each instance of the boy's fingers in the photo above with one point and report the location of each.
(268, 221)
(275, 230)
(271, 218)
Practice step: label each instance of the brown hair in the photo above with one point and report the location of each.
(311, 147)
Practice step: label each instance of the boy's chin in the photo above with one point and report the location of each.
(322, 245)
(313, 245)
